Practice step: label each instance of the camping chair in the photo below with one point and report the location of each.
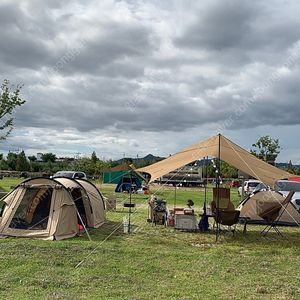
(227, 217)
(272, 214)
(223, 205)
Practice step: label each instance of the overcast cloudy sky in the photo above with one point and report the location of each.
(138, 77)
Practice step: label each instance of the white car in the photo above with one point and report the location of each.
(70, 174)
(249, 187)
(285, 186)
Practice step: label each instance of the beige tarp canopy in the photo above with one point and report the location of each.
(229, 152)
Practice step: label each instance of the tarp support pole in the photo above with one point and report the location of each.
(218, 187)
(130, 191)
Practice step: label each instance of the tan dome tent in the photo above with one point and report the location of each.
(254, 204)
(51, 209)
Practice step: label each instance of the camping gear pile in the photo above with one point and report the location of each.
(157, 211)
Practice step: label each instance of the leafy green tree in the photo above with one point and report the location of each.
(208, 170)
(267, 148)
(112, 163)
(35, 166)
(102, 165)
(22, 163)
(227, 170)
(290, 167)
(11, 161)
(3, 164)
(63, 165)
(86, 165)
(128, 160)
(48, 166)
(94, 157)
(9, 100)
(49, 157)
(142, 163)
(32, 158)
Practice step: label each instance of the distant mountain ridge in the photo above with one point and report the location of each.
(147, 158)
(285, 165)
(151, 157)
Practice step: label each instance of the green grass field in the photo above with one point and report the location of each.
(153, 261)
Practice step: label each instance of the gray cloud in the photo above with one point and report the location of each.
(125, 71)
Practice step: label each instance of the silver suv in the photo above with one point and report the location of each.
(285, 186)
(70, 174)
(249, 187)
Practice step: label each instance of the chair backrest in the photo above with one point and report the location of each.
(272, 213)
(224, 199)
(224, 196)
(227, 217)
(223, 205)
(223, 193)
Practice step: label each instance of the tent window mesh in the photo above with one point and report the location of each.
(33, 211)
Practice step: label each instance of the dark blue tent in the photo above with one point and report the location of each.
(128, 182)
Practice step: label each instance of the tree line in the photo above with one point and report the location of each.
(92, 166)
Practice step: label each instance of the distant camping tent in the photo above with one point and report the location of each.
(51, 209)
(113, 175)
(223, 149)
(127, 183)
(254, 204)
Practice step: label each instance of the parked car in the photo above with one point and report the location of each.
(70, 174)
(24, 175)
(214, 182)
(261, 187)
(235, 183)
(249, 186)
(285, 186)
